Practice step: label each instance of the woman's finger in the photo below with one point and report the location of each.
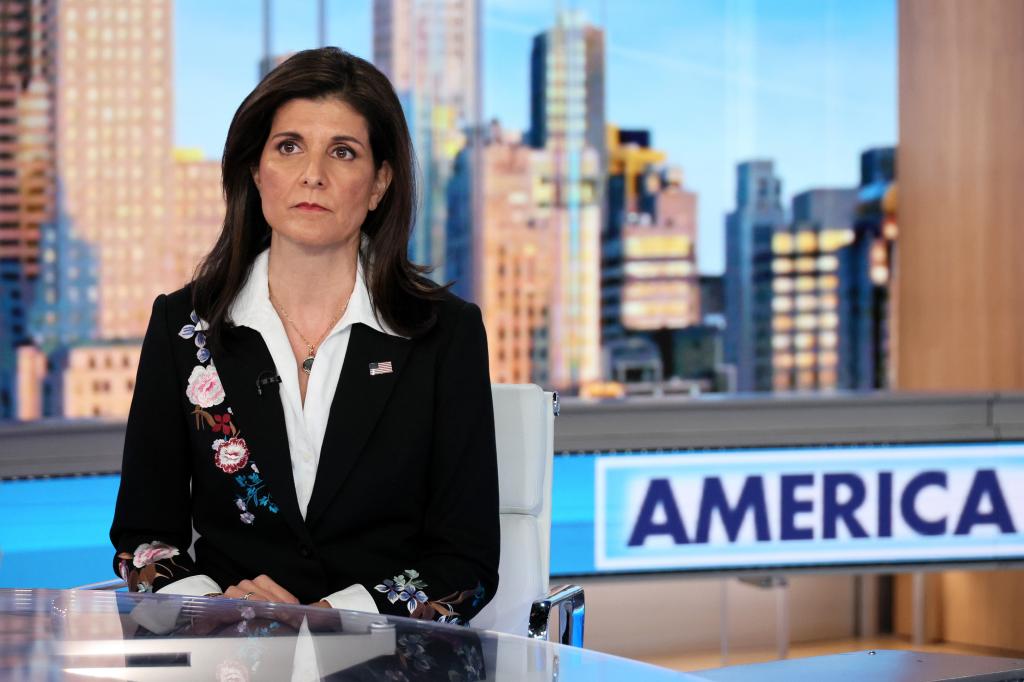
(259, 594)
(245, 587)
(276, 592)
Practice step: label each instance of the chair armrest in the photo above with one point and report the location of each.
(114, 584)
(570, 603)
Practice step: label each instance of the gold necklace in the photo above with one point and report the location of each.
(307, 364)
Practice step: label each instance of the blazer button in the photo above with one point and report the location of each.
(305, 551)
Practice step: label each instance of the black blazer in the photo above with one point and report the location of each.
(405, 500)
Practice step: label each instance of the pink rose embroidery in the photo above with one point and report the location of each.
(204, 387)
(149, 553)
(232, 455)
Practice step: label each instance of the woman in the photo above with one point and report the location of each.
(313, 406)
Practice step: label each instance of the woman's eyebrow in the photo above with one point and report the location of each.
(336, 138)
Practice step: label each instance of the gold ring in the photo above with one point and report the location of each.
(247, 595)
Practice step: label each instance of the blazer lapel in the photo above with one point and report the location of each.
(358, 403)
(260, 418)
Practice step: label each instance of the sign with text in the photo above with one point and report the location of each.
(808, 506)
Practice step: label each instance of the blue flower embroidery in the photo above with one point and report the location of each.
(255, 493)
(413, 596)
(405, 587)
(196, 330)
(390, 588)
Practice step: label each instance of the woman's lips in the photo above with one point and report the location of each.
(314, 208)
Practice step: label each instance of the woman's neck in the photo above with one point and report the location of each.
(311, 285)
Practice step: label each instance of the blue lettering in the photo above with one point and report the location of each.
(885, 504)
(908, 503)
(985, 483)
(834, 511)
(751, 500)
(791, 506)
(659, 492)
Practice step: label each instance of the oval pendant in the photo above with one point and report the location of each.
(307, 364)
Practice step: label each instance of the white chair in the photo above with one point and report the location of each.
(524, 421)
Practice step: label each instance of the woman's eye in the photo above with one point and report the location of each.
(287, 146)
(343, 153)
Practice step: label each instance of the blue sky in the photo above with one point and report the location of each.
(808, 83)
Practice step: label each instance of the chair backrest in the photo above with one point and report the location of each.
(524, 425)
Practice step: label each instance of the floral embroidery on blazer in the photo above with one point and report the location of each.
(151, 560)
(408, 587)
(230, 453)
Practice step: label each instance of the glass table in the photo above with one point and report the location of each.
(80, 635)
(84, 635)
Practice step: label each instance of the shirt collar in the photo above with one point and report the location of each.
(252, 307)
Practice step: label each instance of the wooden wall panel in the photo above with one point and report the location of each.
(961, 243)
(961, 205)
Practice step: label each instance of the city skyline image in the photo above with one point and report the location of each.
(581, 172)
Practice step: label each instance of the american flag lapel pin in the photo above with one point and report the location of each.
(381, 368)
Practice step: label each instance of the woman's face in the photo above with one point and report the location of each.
(316, 175)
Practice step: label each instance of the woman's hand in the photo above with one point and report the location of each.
(261, 588)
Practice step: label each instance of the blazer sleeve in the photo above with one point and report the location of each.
(457, 572)
(152, 527)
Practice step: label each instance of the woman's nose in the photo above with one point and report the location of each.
(313, 175)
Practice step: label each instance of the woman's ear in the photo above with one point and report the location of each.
(380, 184)
(255, 172)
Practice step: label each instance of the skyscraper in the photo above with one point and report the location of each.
(514, 267)
(865, 277)
(197, 212)
(108, 250)
(748, 243)
(567, 105)
(431, 51)
(114, 136)
(567, 83)
(629, 156)
(648, 269)
(802, 351)
(27, 172)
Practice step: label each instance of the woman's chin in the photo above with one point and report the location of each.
(315, 240)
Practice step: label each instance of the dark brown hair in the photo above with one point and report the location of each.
(401, 294)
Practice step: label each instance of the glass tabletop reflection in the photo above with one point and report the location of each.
(78, 635)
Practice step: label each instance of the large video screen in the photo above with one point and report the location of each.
(729, 510)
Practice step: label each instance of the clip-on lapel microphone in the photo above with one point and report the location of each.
(266, 378)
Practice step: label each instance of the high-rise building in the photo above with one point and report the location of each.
(660, 288)
(27, 172)
(630, 156)
(431, 51)
(114, 133)
(110, 247)
(462, 243)
(567, 101)
(197, 212)
(567, 83)
(648, 267)
(515, 240)
(802, 352)
(865, 277)
(748, 244)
